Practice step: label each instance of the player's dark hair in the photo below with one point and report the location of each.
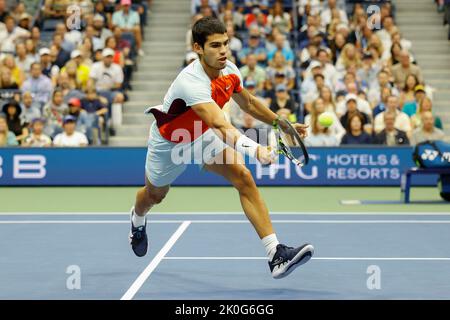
(205, 27)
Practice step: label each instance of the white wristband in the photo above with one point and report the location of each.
(247, 146)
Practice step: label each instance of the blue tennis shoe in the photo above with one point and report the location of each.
(138, 239)
(286, 259)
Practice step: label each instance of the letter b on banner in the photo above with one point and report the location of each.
(29, 167)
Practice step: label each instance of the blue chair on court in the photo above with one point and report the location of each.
(407, 177)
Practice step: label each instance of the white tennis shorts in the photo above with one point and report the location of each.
(167, 160)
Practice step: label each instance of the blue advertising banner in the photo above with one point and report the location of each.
(371, 166)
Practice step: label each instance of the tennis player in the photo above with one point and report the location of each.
(191, 123)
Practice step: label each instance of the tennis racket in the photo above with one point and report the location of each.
(289, 143)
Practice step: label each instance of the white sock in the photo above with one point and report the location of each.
(270, 242)
(137, 220)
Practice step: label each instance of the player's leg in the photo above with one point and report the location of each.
(148, 196)
(160, 171)
(231, 166)
(282, 259)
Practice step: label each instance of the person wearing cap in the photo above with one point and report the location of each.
(282, 104)
(314, 36)
(101, 31)
(70, 137)
(309, 89)
(37, 138)
(30, 109)
(253, 45)
(369, 70)
(24, 21)
(411, 95)
(252, 70)
(49, 68)
(129, 21)
(86, 122)
(7, 137)
(351, 105)
(12, 110)
(402, 121)
(280, 72)
(83, 70)
(351, 88)
(108, 77)
(38, 84)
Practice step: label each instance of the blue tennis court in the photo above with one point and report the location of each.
(219, 256)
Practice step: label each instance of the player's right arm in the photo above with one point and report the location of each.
(214, 118)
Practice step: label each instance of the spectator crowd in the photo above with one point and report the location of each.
(65, 85)
(327, 56)
(65, 69)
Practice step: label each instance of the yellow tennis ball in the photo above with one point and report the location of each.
(326, 119)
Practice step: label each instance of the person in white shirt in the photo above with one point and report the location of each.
(402, 121)
(107, 75)
(318, 107)
(329, 70)
(326, 15)
(235, 43)
(37, 138)
(101, 31)
(10, 34)
(362, 105)
(70, 137)
(108, 78)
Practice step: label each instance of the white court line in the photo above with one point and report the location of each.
(228, 221)
(137, 284)
(316, 258)
(363, 213)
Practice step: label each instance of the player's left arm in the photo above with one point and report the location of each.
(253, 106)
